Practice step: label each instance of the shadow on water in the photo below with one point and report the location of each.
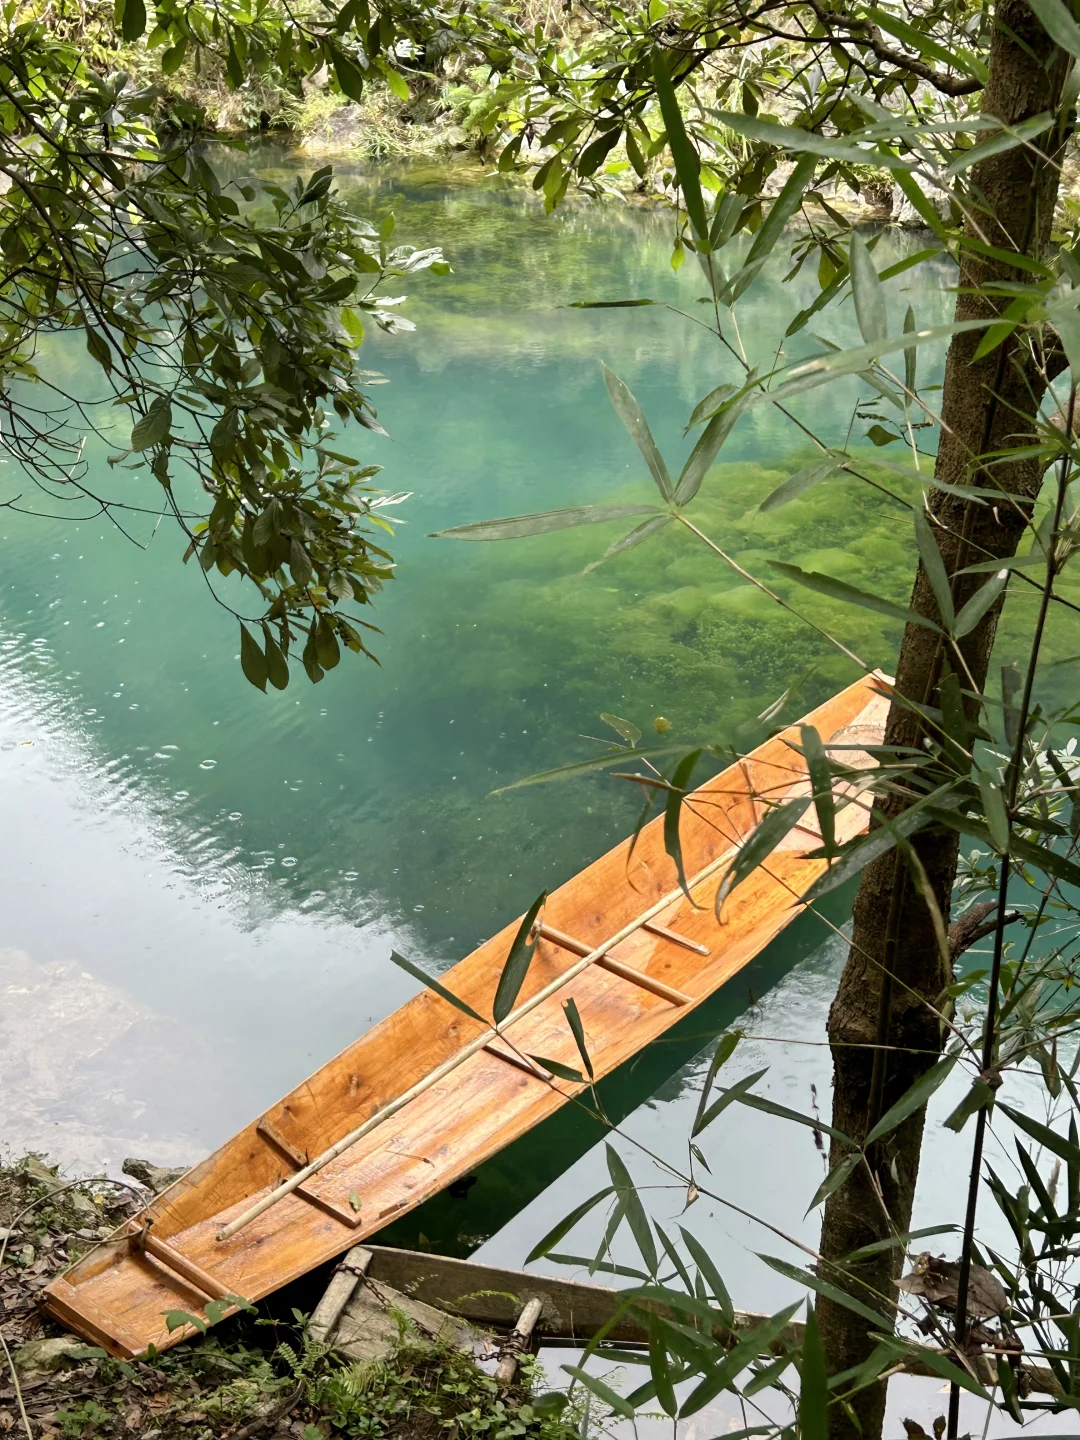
(458, 1223)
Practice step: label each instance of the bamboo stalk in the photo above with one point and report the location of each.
(466, 1053)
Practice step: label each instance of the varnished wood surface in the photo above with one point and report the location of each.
(117, 1294)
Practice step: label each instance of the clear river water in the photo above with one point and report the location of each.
(201, 884)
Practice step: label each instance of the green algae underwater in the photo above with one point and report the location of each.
(365, 807)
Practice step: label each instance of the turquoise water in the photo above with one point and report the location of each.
(201, 883)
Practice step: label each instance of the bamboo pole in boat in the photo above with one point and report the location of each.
(466, 1053)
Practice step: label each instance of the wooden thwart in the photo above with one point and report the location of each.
(429, 1094)
(615, 967)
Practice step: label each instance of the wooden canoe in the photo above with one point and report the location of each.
(174, 1255)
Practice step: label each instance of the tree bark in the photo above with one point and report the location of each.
(987, 406)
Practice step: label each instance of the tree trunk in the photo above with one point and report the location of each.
(987, 406)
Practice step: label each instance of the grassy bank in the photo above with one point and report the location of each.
(256, 1374)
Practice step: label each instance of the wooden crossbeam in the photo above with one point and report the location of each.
(676, 939)
(194, 1275)
(298, 1159)
(615, 967)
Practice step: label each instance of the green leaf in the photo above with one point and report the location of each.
(609, 304)
(633, 537)
(925, 45)
(1047, 1138)
(834, 1179)
(252, 659)
(841, 590)
(601, 1391)
(635, 1211)
(1008, 138)
(800, 481)
(630, 413)
(564, 1072)
(396, 81)
(866, 288)
(760, 843)
(711, 1275)
(628, 732)
(783, 208)
(573, 1017)
(977, 1098)
(705, 409)
(817, 765)
(134, 20)
(680, 781)
(349, 76)
(704, 453)
(1058, 24)
(433, 984)
(733, 1093)
(985, 597)
(595, 153)
(934, 566)
(823, 1287)
(152, 428)
(913, 1099)
(684, 156)
(517, 962)
(98, 347)
(177, 1319)
(910, 354)
(809, 142)
(784, 1112)
(814, 1385)
(518, 526)
(661, 1372)
(995, 811)
(725, 1048)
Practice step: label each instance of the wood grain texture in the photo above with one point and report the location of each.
(119, 1296)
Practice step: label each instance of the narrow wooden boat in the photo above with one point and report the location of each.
(430, 1093)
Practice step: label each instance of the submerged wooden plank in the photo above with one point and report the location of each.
(485, 1103)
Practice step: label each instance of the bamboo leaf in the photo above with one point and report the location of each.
(517, 962)
(834, 1179)
(1008, 138)
(934, 567)
(634, 537)
(704, 453)
(814, 1385)
(783, 1112)
(574, 1018)
(979, 604)
(684, 156)
(680, 781)
(866, 288)
(1047, 1138)
(783, 208)
(910, 354)
(1058, 24)
(566, 1224)
(706, 408)
(518, 526)
(760, 843)
(725, 1048)
(995, 811)
(635, 1211)
(564, 1072)
(631, 415)
(809, 142)
(433, 984)
(977, 1098)
(583, 767)
(661, 1373)
(733, 1093)
(841, 590)
(913, 1099)
(711, 1275)
(831, 1292)
(602, 1392)
(800, 481)
(817, 765)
